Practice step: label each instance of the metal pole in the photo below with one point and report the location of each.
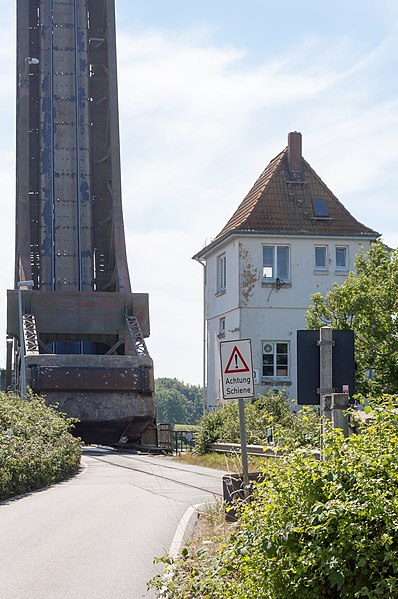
(204, 354)
(22, 337)
(243, 445)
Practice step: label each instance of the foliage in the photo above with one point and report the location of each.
(271, 410)
(317, 530)
(36, 448)
(366, 303)
(178, 402)
(229, 462)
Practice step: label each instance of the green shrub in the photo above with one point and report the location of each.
(317, 530)
(271, 410)
(36, 447)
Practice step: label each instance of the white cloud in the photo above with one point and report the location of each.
(199, 122)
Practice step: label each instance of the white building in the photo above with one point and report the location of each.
(288, 239)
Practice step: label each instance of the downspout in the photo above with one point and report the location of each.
(204, 366)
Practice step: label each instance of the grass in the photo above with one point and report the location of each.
(211, 530)
(221, 461)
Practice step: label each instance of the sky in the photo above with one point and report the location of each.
(208, 92)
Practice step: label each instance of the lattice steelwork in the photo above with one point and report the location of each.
(30, 334)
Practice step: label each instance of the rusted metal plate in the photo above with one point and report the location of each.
(79, 313)
(52, 378)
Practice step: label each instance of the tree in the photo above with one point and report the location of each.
(178, 402)
(366, 303)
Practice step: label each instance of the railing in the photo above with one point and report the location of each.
(251, 449)
(260, 450)
(180, 441)
(174, 441)
(183, 441)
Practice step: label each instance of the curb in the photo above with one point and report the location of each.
(186, 527)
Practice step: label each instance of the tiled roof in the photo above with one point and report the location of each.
(281, 202)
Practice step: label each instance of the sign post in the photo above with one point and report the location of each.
(238, 383)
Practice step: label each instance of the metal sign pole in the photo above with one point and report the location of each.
(243, 445)
(237, 383)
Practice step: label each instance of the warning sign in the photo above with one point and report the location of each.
(236, 363)
(236, 369)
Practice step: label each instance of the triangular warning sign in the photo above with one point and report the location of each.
(236, 363)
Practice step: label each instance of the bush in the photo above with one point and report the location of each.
(271, 410)
(36, 447)
(317, 530)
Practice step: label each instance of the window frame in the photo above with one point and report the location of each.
(345, 267)
(276, 262)
(221, 327)
(275, 365)
(320, 208)
(222, 273)
(317, 267)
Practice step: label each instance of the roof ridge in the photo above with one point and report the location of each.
(281, 201)
(269, 172)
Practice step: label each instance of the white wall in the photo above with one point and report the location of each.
(258, 310)
(221, 303)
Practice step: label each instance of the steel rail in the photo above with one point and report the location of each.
(184, 484)
(171, 467)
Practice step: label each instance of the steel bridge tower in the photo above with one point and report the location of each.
(83, 330)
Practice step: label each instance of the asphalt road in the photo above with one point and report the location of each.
(95, 536)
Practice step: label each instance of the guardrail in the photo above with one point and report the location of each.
(260, 450)
(251, 449)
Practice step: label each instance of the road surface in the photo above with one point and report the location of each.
(95, 535)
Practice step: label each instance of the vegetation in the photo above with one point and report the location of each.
(270, 411)
(36, 447)
(230, 462)
(366, 303)
(317, 530)
(178, 402)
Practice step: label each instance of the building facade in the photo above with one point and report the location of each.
(289, 238)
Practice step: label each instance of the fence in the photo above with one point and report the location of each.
(174, 441)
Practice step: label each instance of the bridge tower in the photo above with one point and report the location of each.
(83, 329)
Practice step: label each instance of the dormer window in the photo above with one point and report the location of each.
(320, 208)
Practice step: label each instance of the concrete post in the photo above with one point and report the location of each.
(339, 419)
(325, 360)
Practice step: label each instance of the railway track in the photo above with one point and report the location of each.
(138, 463)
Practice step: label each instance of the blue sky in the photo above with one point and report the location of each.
(208, 92)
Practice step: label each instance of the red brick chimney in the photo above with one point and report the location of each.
(294, 149)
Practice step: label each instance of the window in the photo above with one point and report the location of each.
(341, 257)
(221, 273)
(320, 208)
(221, 327)
(275, 359)
(276, 262)
(320, 257)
